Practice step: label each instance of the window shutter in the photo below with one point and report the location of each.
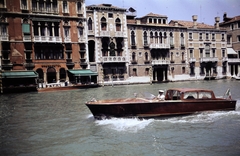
(26, 28)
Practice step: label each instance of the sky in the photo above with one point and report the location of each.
(206, 10)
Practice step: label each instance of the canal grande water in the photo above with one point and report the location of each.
(58, 123)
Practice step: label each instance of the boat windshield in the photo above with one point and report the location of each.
(197, 95)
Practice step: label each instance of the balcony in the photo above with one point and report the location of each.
(4, 38)
(104, 34)
(224, 59)
(233, 60)
(119, 34)
(159, 46)
(47, 39)
(209, 59)
(67, 39)
(160, 62)
(191, 60)
(27, 38)
(113, 59)
(81, 39)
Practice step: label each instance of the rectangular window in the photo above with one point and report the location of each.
(65, 7)
(200, 36)
(110, 15)
(213, 36)
(24, 4)
(238, 38)
(3, 30)
(213, 53)
(2, 4)
(201, 53)
(191, 53)
(150, 20)
(207, 51)
(207, 36)
(190, 36)
(223, 52)
(223, 37)
(79, 7)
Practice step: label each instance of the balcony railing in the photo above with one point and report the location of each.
(233, 60)
(209, 59)
(27, 38)
(119, 34)
(159, 46)
(104, 34)
(113, 59)
(192, 60)
(47, 39)
(160, 62)
(4, 38)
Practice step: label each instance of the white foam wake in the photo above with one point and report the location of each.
(121, 124)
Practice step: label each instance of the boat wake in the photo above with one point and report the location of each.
(204, 117)
(122, 124)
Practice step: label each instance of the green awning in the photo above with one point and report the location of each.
(19, 74)
(83, 72)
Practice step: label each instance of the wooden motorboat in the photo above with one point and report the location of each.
(178, 101)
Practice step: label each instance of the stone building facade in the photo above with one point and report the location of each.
(232, 25)
(107, 41)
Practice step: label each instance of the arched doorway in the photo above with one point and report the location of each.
(62, 74)
(51, 75)
(40, 75)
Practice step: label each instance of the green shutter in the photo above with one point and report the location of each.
(26, 28)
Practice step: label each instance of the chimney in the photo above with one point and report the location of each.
(224, 16)
(217, 19)
(175, 23)
(194, 18)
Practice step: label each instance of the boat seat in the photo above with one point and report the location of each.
(190, 97)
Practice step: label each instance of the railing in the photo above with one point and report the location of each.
(209, 59)
(119, 34)
(113, 59)
(81, 39)
(4, 38)
(27, 38)
(192, 60)
(160, 62)
(104, 34)
(47, 39)
(233, 60)
(159, 46)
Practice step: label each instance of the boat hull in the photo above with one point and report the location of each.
(157, 109)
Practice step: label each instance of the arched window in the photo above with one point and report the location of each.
(133, 56)
(146, 56)
(151, 37)
(118, 24)
(62, 74)
(156, 37)
(40, 74)
(103, 23)
(160, 37)
(182, 39)
(89, 24)
(133, 38)
(171, 38)
(145, 38)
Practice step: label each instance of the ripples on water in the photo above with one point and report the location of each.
(58, 123)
